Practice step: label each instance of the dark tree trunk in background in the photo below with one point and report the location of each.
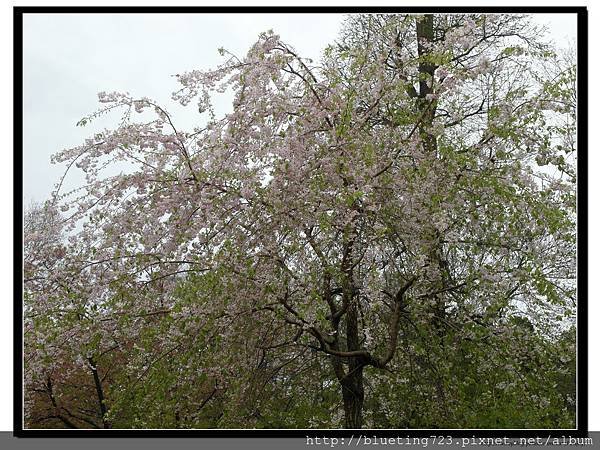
(99, 393)
(426, 105)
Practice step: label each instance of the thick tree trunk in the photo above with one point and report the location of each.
(353, 391)
(354, 397)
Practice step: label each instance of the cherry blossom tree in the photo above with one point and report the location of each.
(380, 217)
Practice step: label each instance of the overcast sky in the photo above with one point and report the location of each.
(69, 58)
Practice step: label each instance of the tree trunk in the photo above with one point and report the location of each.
(352, 384)
(427, 106)
(99, 393)
(354, 396)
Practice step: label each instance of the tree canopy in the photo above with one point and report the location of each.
(382, 238)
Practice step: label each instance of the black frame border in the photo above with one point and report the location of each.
(582, 230)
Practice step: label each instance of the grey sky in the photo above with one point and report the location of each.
(69, 58)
